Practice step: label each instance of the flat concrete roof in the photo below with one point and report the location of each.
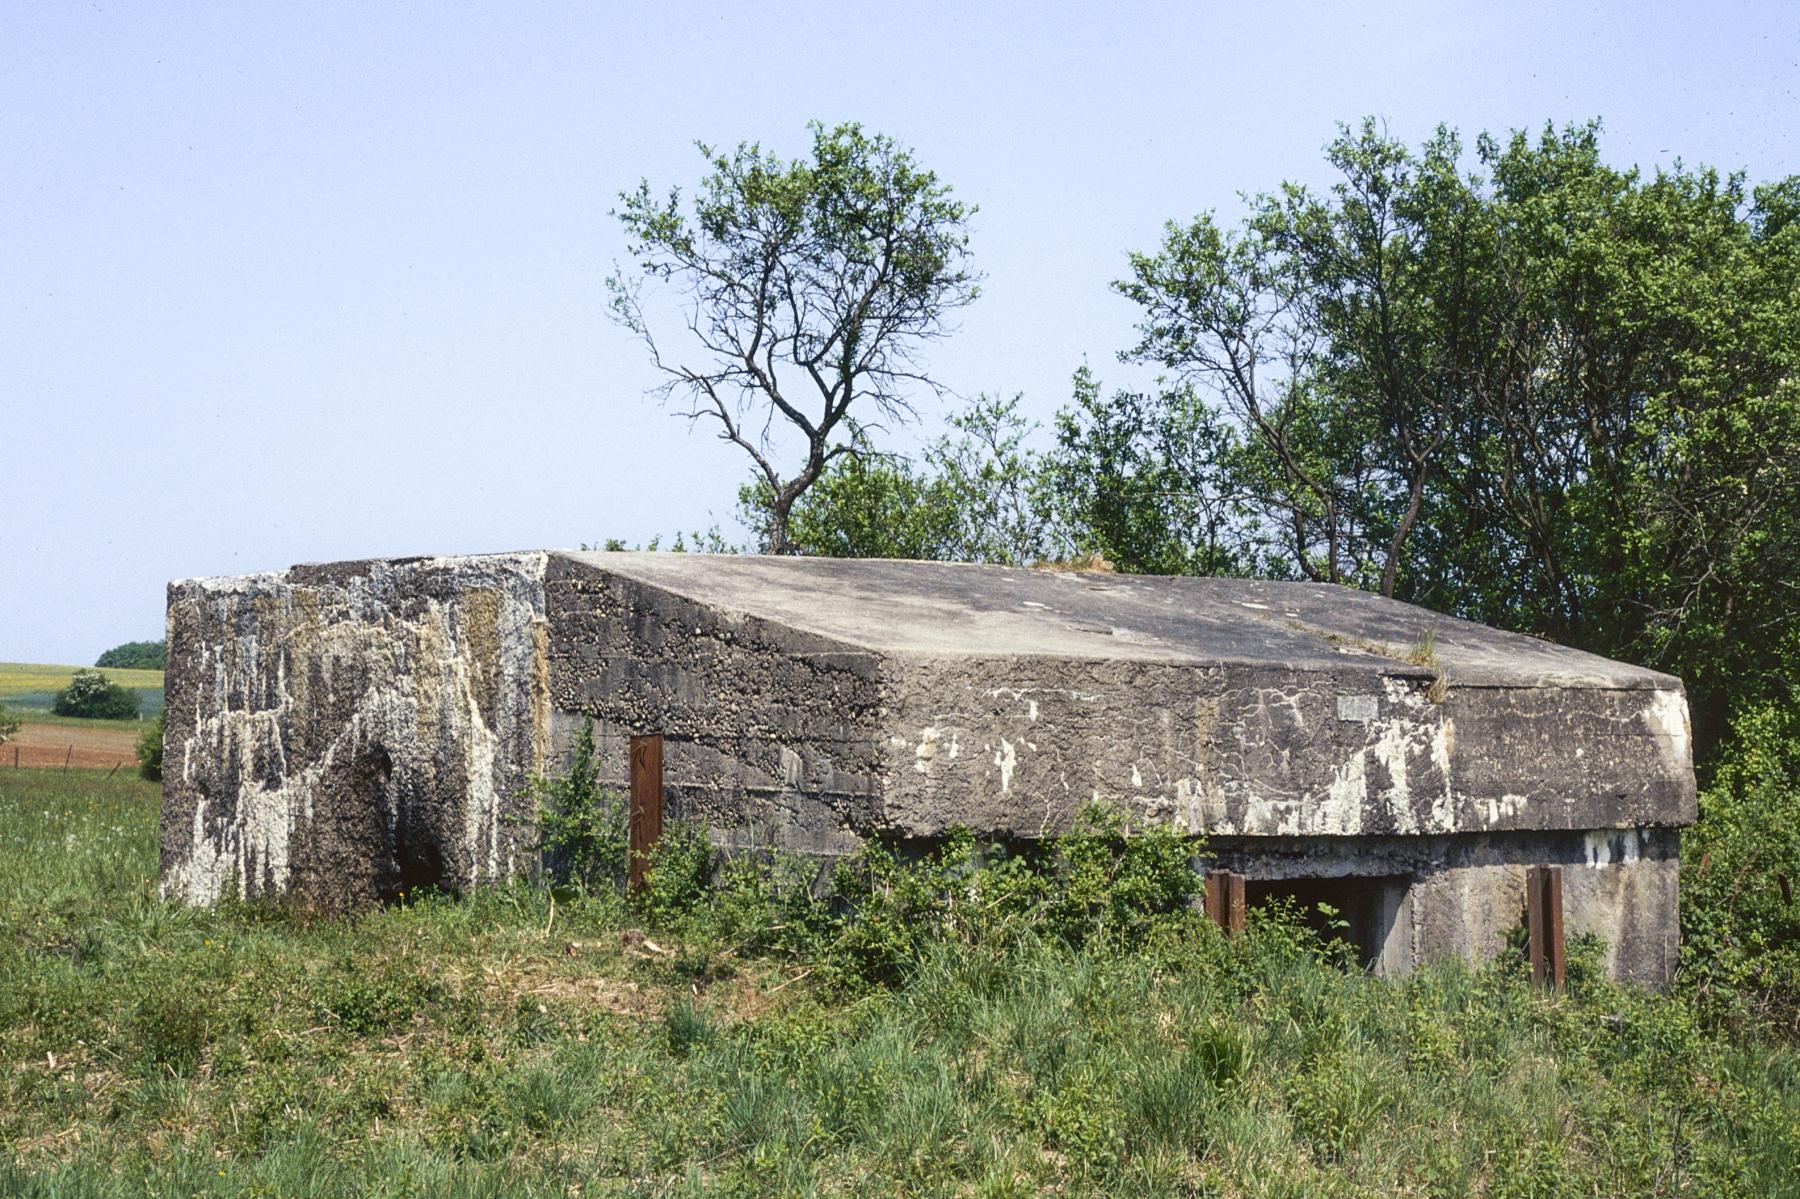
(944, 608)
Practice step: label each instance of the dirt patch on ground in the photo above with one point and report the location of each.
(43, 745)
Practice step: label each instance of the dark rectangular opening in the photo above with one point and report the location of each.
(1364, 908)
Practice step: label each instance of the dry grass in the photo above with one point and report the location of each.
(1088, 564)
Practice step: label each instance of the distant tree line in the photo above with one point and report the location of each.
(134, 655)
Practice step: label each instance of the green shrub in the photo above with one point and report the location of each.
(582, 828)
(150, 748)
(9, 725)
(135, 655)
(92, 695)
(1094, 884)
(1740, 914)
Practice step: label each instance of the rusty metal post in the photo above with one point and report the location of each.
(1234, 903)
(1553, 923)
(1544, 925)
(1224, 902)
(646, 806)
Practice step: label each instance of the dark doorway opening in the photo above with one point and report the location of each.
(1364, 910)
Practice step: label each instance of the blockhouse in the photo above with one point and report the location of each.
(341, 732)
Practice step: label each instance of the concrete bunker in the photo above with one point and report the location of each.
(339, 732)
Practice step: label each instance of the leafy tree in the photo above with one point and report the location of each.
(1151, 482)
(9, 725)
(150, 748)
(1544, 393)
(865, 504)
(135, 655)
(976, 495)
(809, 290)
(1005, 505)
(1740, 923)
(93, 695)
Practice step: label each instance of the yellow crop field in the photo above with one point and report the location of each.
(26, 678)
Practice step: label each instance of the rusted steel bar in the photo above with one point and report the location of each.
(1553, 932)
(646, 806)
(1224, 900)
(1544, 925)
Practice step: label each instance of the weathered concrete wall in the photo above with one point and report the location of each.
(1020, 744)
(770, 735)
(342, 732)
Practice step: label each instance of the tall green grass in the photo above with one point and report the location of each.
(506, 1044)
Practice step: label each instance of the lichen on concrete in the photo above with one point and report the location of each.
(338, 733)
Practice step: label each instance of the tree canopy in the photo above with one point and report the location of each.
(134, 655)
(93, 695)
(1516, 385)
(808, 290)
(1533, 390)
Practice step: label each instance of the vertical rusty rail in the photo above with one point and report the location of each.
(1544, 925)
(646, 806)
(1225, 900)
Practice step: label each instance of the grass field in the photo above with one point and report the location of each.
(506, 1045)
(28, 689)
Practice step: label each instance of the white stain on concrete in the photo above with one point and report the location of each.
(926, 749)
(1610, 847)
(422, 682)
(1668, 719)
(1504, 807)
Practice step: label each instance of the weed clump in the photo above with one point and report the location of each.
(169, 1033)
(582, 829)
(882, 909)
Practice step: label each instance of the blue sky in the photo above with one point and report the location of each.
(285, 283)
